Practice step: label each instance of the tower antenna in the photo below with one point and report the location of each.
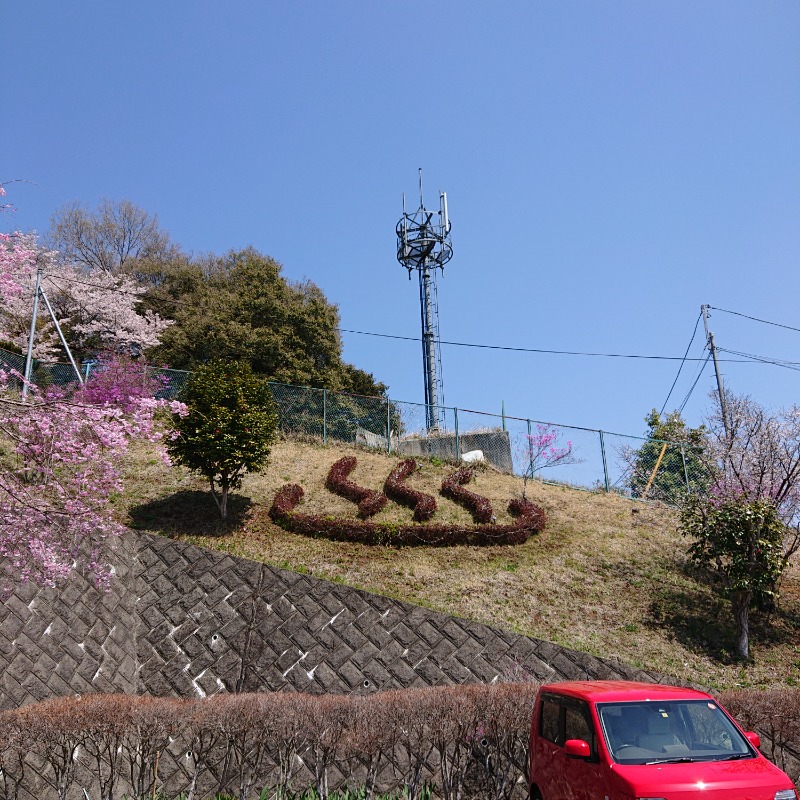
(423, 244)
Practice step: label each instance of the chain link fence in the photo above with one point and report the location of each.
(42, 374)
(171, 380)
(584, 458)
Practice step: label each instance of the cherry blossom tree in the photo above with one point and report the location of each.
(59, 457)
(96, 310)
(746, 527)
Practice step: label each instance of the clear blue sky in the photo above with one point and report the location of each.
(609, 166)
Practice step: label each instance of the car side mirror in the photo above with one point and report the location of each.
(577, 748)
(753, 738)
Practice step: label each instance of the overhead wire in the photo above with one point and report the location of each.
(536, 350)
(778, 362)
(756, 319)
(683, 361)
(116, 289)
(696, 380)
(744, 357)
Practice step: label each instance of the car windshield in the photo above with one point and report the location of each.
(675, 731)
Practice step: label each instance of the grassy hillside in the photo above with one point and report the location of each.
(607, 576)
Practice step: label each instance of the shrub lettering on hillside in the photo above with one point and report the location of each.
(453, 488)
(398, 490)
(369, 501)
(530, 519)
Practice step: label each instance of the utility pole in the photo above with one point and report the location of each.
(720, 389)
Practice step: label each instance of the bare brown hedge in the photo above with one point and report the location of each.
(240, 743)
(369, 501)
(469, 740)
(774, 714)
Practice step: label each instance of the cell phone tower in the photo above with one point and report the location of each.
(423, 244)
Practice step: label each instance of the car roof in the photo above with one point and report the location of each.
(622, 691)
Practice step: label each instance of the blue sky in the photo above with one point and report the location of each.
(609, 167)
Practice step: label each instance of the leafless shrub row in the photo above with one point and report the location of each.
(775, 715)
(470, 740)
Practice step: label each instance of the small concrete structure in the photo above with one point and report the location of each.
(495, 444)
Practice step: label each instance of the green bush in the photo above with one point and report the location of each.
(229, 427)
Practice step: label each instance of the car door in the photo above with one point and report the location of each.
(549, 744)
(584, 779)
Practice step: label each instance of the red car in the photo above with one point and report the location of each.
(620, 740)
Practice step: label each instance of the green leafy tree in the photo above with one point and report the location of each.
(241, 307)
(659, 469)
(742, 539)
(229, 427)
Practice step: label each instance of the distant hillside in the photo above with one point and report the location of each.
(607, 576)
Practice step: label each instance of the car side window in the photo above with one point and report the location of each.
(550, 720)
(578, 724)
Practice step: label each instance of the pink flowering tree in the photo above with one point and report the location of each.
(20, 257)
(119, 380)
(96, 310)
(101, 310)
(60, 456)
(746, 527)
(62, 467)
(542, 450)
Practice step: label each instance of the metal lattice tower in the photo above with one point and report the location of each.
(423, 244)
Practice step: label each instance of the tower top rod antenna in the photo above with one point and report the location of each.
(421, 203)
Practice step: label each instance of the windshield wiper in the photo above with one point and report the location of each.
(681, 760)
(735, 757)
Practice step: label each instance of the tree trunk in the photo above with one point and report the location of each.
(740, 601)
(222, 500)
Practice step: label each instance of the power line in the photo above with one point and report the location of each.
(117, 289)
(689, 393)
(536, 350)
(795, 365)
(746, 358)
(683, 361)
(756, 319)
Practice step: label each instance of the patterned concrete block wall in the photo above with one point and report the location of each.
(184, 621)
(210, 622)
(74, 639)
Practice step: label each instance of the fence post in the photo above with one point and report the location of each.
(605, 464)
(685, 470)
(388, 426)
(324, 416)
(458, 441)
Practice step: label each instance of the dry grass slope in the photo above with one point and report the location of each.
(607, 576)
